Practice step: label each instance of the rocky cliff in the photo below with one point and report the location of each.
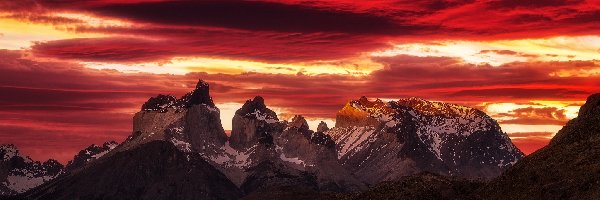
(380, 141)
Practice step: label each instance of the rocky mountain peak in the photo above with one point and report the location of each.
(159, 103)
(89, 154)
(53, 166)
(298, 122)
(360, 112)
(591, 106)
(585, 126)
(20, 173)
(433, 108)
(252, 123)
(7, 151)
(253, 105)
(437, 137)
(200, 95)
(322, 127)
(371, 106)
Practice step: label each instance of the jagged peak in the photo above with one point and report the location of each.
(199, 96)
(435, 108)
(8, 146)
(298, 122)
(363, 104)
(159, 102)
(322, 127)
(365, 112)
(257, 103)
(94, 148)
(8, 151)
(110, 144)
(52, 162)
(378, 107)
(202, 85)
(256, 107)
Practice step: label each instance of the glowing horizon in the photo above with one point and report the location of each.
(77, 71)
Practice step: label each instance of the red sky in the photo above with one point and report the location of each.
(72, 73)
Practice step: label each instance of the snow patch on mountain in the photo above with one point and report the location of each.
(357, 139)
(181, 145)
(20, 173)
(262, 116)
(295, 160)
(416, 131)
(110, 146)
(21, 184)
(231, 157)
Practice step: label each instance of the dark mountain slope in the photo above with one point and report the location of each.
(422, 186)
(154, 170)
(19, 173)
(568, 168)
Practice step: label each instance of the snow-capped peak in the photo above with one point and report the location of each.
(420, 129)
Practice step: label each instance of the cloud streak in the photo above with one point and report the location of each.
(80, 66)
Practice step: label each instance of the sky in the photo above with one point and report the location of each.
(73, 73)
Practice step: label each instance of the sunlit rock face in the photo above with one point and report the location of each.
(191, 123)
(382, 141)
(358, 113)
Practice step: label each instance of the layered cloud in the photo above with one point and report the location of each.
(507, 18)
(83, 99)
(289, 30)
(75, 68)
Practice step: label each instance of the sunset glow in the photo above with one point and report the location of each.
(74, 73)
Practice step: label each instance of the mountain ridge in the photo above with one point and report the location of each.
(371, 142)
(420, 135)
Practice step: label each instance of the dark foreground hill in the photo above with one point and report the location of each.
(155, 170)
(422, 186)
(568, 168)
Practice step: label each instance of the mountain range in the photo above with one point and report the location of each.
(411, 147)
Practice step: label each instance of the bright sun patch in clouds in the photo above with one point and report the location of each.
(532, 117)
(18, 35)
(504, 51)
(184, 65)
(93, 21)
(93, 63)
